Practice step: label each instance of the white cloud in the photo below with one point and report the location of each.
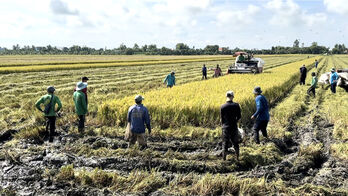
(337, 6)
(60, 7)
(241, 17)
(287, 12)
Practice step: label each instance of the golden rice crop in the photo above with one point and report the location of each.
(198, 103)
(30, 68)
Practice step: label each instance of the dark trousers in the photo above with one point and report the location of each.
(51, 126)
(260, 125)
(230, 136)
(311, 89)
(82, 119)
(302, 81)
(333, 87)
(204, 76)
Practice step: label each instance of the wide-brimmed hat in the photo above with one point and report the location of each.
(333, 69)
(257, 90)
(84, 78)
(139, 98)
(81, 86)
(173, 72)
(51, 89)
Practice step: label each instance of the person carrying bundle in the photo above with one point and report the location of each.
(138, 115)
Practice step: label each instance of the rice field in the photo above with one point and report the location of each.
(305, 153)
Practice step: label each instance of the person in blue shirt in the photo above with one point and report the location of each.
(138, 116)
(204, 72)
(316, 64)
(333, 80)
(170, 79)
(261, 115)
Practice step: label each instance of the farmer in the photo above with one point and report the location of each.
(204, 72)
(217, 71)
(303, 71)
(138, 115)
(313, 84)
(333, 80)
(85, 80)
(261, 115)
(240, 58)
(80, 104)
(170, 79)
(230, 114)
(316, 64)
(50, 101)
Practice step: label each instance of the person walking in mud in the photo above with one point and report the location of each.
(230, 115)
(303, 71)
(84, 80)
(49, 101)
(80, 102)
(313, 84)
(170, 80)
(333, 80)
(138, 115)
(261, 115)
(204, 72)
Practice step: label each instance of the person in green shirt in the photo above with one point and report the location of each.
(313, 84)
(49, 101)
(80, 104)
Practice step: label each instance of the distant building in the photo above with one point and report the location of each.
(222, 49)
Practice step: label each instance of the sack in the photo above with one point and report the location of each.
(48, 106)
(241, 135)
(128, 134)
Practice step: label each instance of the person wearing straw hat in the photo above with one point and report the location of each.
(333, 80)
(170, 80)
(138, 116)
(80, 104)
(50, 101)
(261, 115)
(230, 115)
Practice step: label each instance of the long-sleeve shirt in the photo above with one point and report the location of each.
(45, 100)
(314, 81)
(303, 71)
(261, 108)
(80, 103)
(85, 92)
(204, 70)
(170, 79)
(138, 115)
(230, 114)
(334, 77)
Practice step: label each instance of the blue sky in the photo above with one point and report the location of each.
(231, 23)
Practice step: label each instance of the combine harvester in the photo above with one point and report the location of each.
(248, 65)
(342, 81)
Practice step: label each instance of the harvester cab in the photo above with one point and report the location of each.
(246, 63)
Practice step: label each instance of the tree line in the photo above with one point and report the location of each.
(180, 49)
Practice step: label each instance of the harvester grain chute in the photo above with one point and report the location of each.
(246, 63)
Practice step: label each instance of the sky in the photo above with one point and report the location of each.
(250, 24)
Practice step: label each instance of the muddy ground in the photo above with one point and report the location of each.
(29, 167)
